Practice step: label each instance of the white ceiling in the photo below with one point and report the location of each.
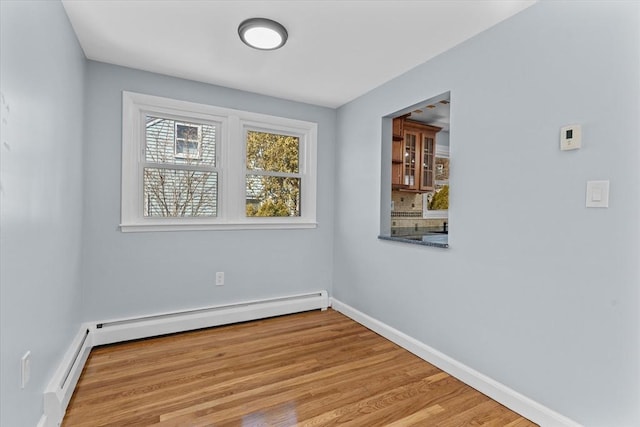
(337, 50)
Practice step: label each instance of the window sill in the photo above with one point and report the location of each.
(146, 227)
(414, 242)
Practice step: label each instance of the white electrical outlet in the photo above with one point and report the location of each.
(25, 369)
(220, 278)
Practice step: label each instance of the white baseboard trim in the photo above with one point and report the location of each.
(60, 389)
(42, 422)
(513, 400)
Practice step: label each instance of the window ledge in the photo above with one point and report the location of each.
(145, 227)
(414, 242)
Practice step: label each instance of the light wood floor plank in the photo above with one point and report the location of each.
(308, 369)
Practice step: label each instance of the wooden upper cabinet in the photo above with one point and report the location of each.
(397, 128)
(397, 153)
(397, 148)
(413, 158)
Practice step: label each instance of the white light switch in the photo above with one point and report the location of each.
(597, 194)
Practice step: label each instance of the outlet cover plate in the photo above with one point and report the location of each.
(220, 278)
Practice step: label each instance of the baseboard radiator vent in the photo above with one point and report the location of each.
(60, 388)
(59, 391)
(167, 323)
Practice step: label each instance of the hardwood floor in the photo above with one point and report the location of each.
(309, 369)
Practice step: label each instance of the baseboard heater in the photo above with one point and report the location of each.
(60, 389)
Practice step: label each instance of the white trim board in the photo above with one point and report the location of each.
(513, 400)
(60, 389)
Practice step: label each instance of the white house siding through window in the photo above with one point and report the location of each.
(178, 180)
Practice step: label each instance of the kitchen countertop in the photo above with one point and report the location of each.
(417, 240)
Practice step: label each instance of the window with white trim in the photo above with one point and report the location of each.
(273, 175)
(179, 174)
(188, 166)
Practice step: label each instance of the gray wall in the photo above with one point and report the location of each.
(536, 291)
(131, 274)
(42, 82)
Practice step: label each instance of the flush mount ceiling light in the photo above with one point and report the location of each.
(262, 33)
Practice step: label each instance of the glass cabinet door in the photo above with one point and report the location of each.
(410, 159)
(428, 163)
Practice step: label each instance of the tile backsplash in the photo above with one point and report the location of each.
(406, 216)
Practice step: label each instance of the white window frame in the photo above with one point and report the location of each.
(248, 126)
(230, 164)
(442, 213)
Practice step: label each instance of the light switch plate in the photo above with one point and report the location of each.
(597, 194)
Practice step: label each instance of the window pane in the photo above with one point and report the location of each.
(180, 193)
(442, 169)
(272, 196)
(177, 142)
(187, 149)
(272, 152)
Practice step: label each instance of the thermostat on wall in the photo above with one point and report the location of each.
(570, 137)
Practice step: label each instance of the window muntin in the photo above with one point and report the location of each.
(198, 153)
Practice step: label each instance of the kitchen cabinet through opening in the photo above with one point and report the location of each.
(420, 167)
